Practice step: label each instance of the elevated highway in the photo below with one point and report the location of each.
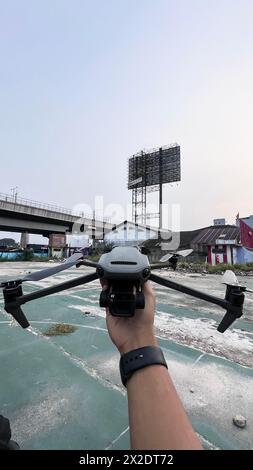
(24, 215)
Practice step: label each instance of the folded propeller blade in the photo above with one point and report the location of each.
(229, 278)
(38, 275)
(166, 257)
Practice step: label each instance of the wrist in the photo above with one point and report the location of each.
(140, 341)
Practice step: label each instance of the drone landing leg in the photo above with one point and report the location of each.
(12, 304)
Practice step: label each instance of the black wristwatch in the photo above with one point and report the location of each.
(138, 359)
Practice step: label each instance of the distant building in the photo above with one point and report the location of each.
(7, 242)
(129, 233)
(218, 242)
(57, 244)
(40, 251)
(157, 248)
(219, 222)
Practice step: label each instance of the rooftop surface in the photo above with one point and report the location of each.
(209, 235)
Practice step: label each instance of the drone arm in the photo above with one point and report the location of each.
(90, 264)
(51, 290)
(188, 290)
(233, 303)
(159, 265)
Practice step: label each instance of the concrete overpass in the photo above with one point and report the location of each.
(24, 215)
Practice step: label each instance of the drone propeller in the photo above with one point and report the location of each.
(183, 253)
(248, 290)
(165, 258)
(44, 273)
(229, 278)
(39, 275)
(12, 289)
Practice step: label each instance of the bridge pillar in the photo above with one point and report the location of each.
(24, 240)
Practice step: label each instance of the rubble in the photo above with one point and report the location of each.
(239, 421)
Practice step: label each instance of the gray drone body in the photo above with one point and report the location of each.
(124, 263)
(125, 269)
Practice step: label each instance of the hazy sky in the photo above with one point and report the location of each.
(86, 84)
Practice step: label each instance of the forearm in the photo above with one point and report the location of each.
(156, 415)
(157, 418)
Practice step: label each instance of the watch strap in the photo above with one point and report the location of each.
(138, 359)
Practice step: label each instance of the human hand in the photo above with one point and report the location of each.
(137, 331)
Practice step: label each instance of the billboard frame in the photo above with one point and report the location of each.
(148, 171)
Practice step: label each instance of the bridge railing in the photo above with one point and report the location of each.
(14, 199)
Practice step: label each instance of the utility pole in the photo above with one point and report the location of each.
(160, 190)
(93, 230)
(14, 193)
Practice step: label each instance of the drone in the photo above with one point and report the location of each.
(123, 271)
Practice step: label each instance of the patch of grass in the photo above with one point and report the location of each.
(40, 258)
(194, 267)
(237, 268)
(219, 268)
(244, 267)
(60, 329)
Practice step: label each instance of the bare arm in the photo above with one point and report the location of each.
(156, 415)
(157, 418)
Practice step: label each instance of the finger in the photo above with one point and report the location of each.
(148, 289)
(104, 284)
